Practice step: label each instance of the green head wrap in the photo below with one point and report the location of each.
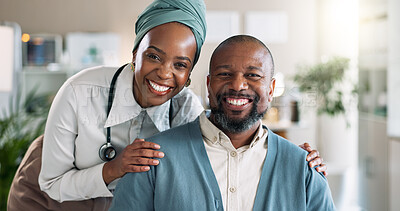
(188, 12)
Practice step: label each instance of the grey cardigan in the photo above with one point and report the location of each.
(184, 179)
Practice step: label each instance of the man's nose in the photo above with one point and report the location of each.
(238, 83)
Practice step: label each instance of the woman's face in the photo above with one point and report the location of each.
(163, 61)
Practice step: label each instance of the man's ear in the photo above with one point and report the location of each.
(271, 90)
(208, 86)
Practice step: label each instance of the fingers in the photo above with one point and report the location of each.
(139, 164)
(142, 161)
(312, 155)
(133, 168)
(313, 159)
(142, 148)
(148, 153)
(316, 162)
(322, 168)
(142, 144)
(306, 146)
(139, 156)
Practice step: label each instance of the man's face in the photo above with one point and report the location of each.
(239, 85)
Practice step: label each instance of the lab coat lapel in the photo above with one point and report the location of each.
(124, 107)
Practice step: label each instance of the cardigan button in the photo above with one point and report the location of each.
(232, 189)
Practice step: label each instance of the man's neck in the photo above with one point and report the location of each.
(239, 139)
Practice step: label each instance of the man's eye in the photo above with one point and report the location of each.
(223, 74)
(253, 75)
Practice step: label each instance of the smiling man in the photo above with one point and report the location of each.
(228, 160)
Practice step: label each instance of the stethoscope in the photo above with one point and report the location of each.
(107, 152)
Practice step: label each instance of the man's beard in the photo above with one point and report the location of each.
(236, 125)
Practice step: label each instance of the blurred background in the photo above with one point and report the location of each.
(337, 64)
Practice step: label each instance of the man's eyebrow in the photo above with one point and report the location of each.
(254, 68)
(224, 66)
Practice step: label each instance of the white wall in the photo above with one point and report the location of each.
(394, 174)
(394, 102)
(338, 36)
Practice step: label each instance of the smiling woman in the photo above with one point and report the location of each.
(149, 97)
(162, 66)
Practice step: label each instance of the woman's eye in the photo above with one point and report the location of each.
(181, 65)
(153, 56)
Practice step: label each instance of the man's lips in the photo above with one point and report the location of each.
(158, 89)
(237, 102)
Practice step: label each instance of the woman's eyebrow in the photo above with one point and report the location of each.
(163, 52)
(157, 49)
(184, 58)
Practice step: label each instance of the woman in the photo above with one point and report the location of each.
(168, 43)
(149, 97)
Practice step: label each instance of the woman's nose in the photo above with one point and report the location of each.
(165, 71)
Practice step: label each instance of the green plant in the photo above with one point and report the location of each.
(325, 79)
(18, 128)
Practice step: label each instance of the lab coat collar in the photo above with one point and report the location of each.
(125, 107)
(160, 115)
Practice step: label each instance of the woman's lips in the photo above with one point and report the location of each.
(158, 89)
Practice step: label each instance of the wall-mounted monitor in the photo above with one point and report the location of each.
(41, 49)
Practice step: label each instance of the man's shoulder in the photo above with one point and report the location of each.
(284, 147)
(177, 134)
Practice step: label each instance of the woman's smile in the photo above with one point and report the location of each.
(158, 89)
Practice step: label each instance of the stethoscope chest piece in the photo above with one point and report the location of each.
(107, 152)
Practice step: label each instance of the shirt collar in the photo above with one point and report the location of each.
(212, 133)
(125, 107)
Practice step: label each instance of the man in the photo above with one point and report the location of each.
(229, 160)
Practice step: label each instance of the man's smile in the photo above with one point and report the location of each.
(237, 102)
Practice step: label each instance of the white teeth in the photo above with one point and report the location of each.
(238, 102)
(157, 87)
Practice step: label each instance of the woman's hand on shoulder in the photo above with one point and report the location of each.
(314, 159)
(136, 157)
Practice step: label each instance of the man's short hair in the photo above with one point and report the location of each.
(241, 39)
